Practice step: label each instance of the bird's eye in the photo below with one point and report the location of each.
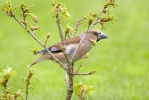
(95, 33)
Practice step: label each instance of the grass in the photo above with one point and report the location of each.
(121, 61)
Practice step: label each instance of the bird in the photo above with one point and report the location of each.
(87, 38)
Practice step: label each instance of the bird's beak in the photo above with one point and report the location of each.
(102, 36)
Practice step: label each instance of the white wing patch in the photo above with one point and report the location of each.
(54, 49)
(70, 49)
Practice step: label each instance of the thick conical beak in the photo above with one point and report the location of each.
(102, 36)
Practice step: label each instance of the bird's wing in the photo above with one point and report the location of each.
(57, 47)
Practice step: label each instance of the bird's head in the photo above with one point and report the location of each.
(96, 35)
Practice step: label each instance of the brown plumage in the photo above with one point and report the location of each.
(71, 45)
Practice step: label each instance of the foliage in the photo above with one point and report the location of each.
(60, 13)
(7, 94)
(121, 70)
(6, 7)
(82, 90)
(34, 50)
(28, 78)
(5, 75)
(90, 18)
(61, 9)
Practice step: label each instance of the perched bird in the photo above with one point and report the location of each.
(71, 45)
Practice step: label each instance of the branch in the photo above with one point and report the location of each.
(78, 68)
(34, 30)
(97, 22)
(48, 35)
(66, 79)
(78, 46)
(69, 61)
(76, 26)
(28, 82)
(62, 40)
(89, 73)
(27, 86)
(56, 60)
(70, 88)
(81, 94)
(96, 19)
(89, 28)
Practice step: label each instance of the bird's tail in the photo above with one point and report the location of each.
(32, 64)
(41, 52)
(41, 58)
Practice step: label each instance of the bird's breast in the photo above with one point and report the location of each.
(82, 50)
(71, 49)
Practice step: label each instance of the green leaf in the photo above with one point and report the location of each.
(61, 10)
(82, 90)
(34, 50)
(66, 14)
(6, 6)
(5, 75)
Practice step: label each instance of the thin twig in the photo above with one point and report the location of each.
(56, 60)
(89, 28)
(27, 86)
(83, 74)
(81, 94)
(76, 26)
(45, 42)
(78, 69)
(69, 61)
(78, 46)
(63, 41)
(89, 73)
(96, 19)
(60, 29)
(97, 23)
(34, 30)
(28, 83)
(5, 84)
(67, 33)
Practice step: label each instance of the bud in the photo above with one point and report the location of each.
(25, 14)
(104, 11)
(90, 22)
(94, 15)
(32, 28)
(92, 72)
(26, 9)
(101, 23)
(48, 35)
(17, 94)
(35, 19)
(86, 56)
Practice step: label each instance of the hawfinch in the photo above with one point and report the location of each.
(71, 45)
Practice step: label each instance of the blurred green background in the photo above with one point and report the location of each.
(121, 61)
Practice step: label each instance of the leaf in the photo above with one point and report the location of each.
(61, 10)
(34, 50)
(82, 90)
(6, 6)
(86, 56)
(66, 14)
(5, 75)
(90, 17)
